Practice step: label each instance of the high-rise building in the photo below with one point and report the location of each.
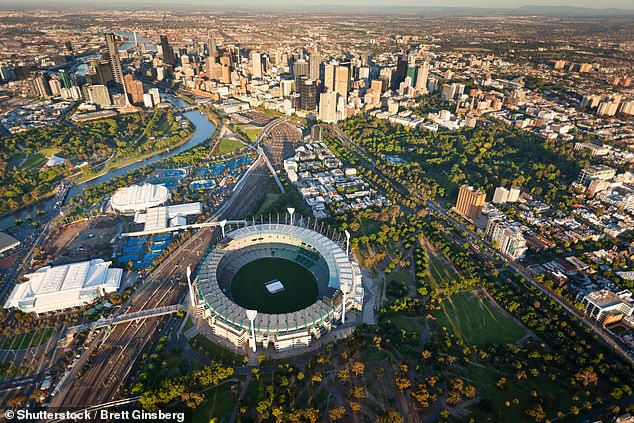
(213, 48)
(98, 94)
(115, 62)
(156, 95)
(401, 72)
(307, 93)
(514, 194)
(256, 65)
(342, 79)
(56, 87)
(500, 196)
(506, 236)
(328, 107)
(300, 68)
(421, 77)
(286, 87)
(315, 64)
(470, 202)
(43, 88)
(134, 88)
(64, 78)
(329, 76)
(168, 52)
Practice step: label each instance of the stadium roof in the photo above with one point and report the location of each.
(341, 276)
(7, 242)
(60, 287)
(137, 198)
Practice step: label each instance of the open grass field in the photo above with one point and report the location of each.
(226, 146)
(440, 270)
(34, 161)
(215, 352)
(251, 132)
(248, 287)
(477, 320)
(218, 405)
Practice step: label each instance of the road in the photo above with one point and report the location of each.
(606, 337)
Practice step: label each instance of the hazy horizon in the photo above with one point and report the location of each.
(300, 4)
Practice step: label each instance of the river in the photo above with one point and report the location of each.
(204, 129)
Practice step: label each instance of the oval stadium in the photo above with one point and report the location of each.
(293, 276)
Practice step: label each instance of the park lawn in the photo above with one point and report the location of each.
(218, 404)
(269, 199)
(28, 339)
(34, 161)
(441, 273)
(553, 395)
(474, 318)
(214, 351)
(402, 275)
(226, 146)
(48, 152)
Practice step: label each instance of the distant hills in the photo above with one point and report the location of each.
(532, 9)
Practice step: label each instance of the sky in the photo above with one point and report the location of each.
(294, 4)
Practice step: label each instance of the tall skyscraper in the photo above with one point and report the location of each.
(64, 78)
(315, 63)
(401, 72)
(421, 77)
(213, 48)
(256, 65)
(300, 68)
(470, 202)
(329, 76)
(115, 62)
(308, 94)
(342, 80)
(134, 88)
(328, 107)
(168, 52)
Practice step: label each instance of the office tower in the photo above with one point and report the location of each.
(115, 62)
(329, 76)
(212, 47)
(315, 64)
(514, 194)
(286, 87)
(328, 107)
(64, 78)
(148, 100)
(134, 88)
(401, 72)
(308, 94)
(256, 65)
(156, 96)
(364, 72)
(98, 94)
(41, 85)
(342, 79)
(295, 100)
(500, 196)
(56, 87)
(300, 68)
(168, 52)
(448, 74)
(421, 77)
(470, 202)
(226, 74)
(411, 73)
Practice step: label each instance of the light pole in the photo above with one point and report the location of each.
(347, 242)
(343, 308)
(222, 226)
(189, 284)
(251, 315)
(291, 210)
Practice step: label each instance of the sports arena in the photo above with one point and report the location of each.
(296, 278)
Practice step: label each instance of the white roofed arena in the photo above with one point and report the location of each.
(333, 271)
(139, 198)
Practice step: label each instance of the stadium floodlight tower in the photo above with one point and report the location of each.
(347, 242)
(251, 315)
(223, 223)
(189, 284)
(291, 211)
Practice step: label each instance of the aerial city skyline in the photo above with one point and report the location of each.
(229, 213)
